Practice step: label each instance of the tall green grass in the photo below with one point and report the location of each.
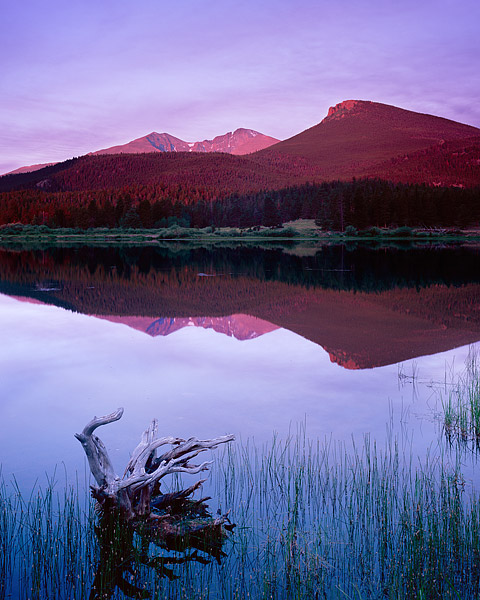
(314, 520)
(47, 542)
(461, 405)
(320, 520)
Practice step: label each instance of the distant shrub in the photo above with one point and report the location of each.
(403, 232)
(287, 232)
(371, 232)
(66, 230)
(174, 231)
(284, 232)
(12, 228)
(351, 231)
(229, 232)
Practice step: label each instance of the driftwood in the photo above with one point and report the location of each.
(133, 504)
(132, 493)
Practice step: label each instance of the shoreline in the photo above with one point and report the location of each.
(28, 234)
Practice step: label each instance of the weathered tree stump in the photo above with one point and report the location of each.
(133, 504)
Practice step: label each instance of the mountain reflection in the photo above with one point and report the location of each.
(241, 327)
(366, 306)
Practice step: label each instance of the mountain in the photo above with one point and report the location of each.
(240, 142)
(241, 327)
(29, 168)
(357, 136)
(356, 139)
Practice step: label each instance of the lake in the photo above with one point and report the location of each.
(330, 343)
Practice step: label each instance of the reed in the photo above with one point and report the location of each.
(47, 542)
(461, 405)
(328, 521)
(315, 519)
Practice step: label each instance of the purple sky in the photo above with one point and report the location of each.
(79, 76)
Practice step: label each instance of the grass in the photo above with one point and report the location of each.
(324, 521)
(47, 543)
(314, 520)
(301, 229)
(461, 406)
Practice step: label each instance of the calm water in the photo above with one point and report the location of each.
(344, 341)
(247, 341)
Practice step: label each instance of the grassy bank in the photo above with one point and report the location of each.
(302, 229)
(314, 520)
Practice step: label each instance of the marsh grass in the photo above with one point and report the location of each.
(47, 542)
(461, 405)
(314, 520)
(319, 520)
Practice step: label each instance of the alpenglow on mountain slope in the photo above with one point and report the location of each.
(356, 139)
(240, 142)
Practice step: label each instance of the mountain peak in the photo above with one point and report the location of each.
(342, 109)
(357, 137)
(241, 141)
(244, 130)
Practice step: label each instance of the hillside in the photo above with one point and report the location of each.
(357, 136)
(29, 168)
(450, 163)
(222, 173)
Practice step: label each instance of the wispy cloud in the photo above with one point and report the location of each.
(76, 77)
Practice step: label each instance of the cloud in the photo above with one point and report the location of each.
(116, 72)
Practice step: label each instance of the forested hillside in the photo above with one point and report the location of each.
(334, 205)
(411, 169)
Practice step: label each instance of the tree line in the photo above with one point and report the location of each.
(334, 205)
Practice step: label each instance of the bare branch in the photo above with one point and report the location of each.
(173, 461)
(143, 470)
(194, 445)
(98, 421)
(192, 469)
(144, 454)
(97, 455)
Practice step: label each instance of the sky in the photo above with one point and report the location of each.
(79, 76)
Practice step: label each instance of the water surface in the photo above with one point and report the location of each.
(352, 345)
(219, 340)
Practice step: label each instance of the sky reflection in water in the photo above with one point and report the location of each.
(60, 368)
